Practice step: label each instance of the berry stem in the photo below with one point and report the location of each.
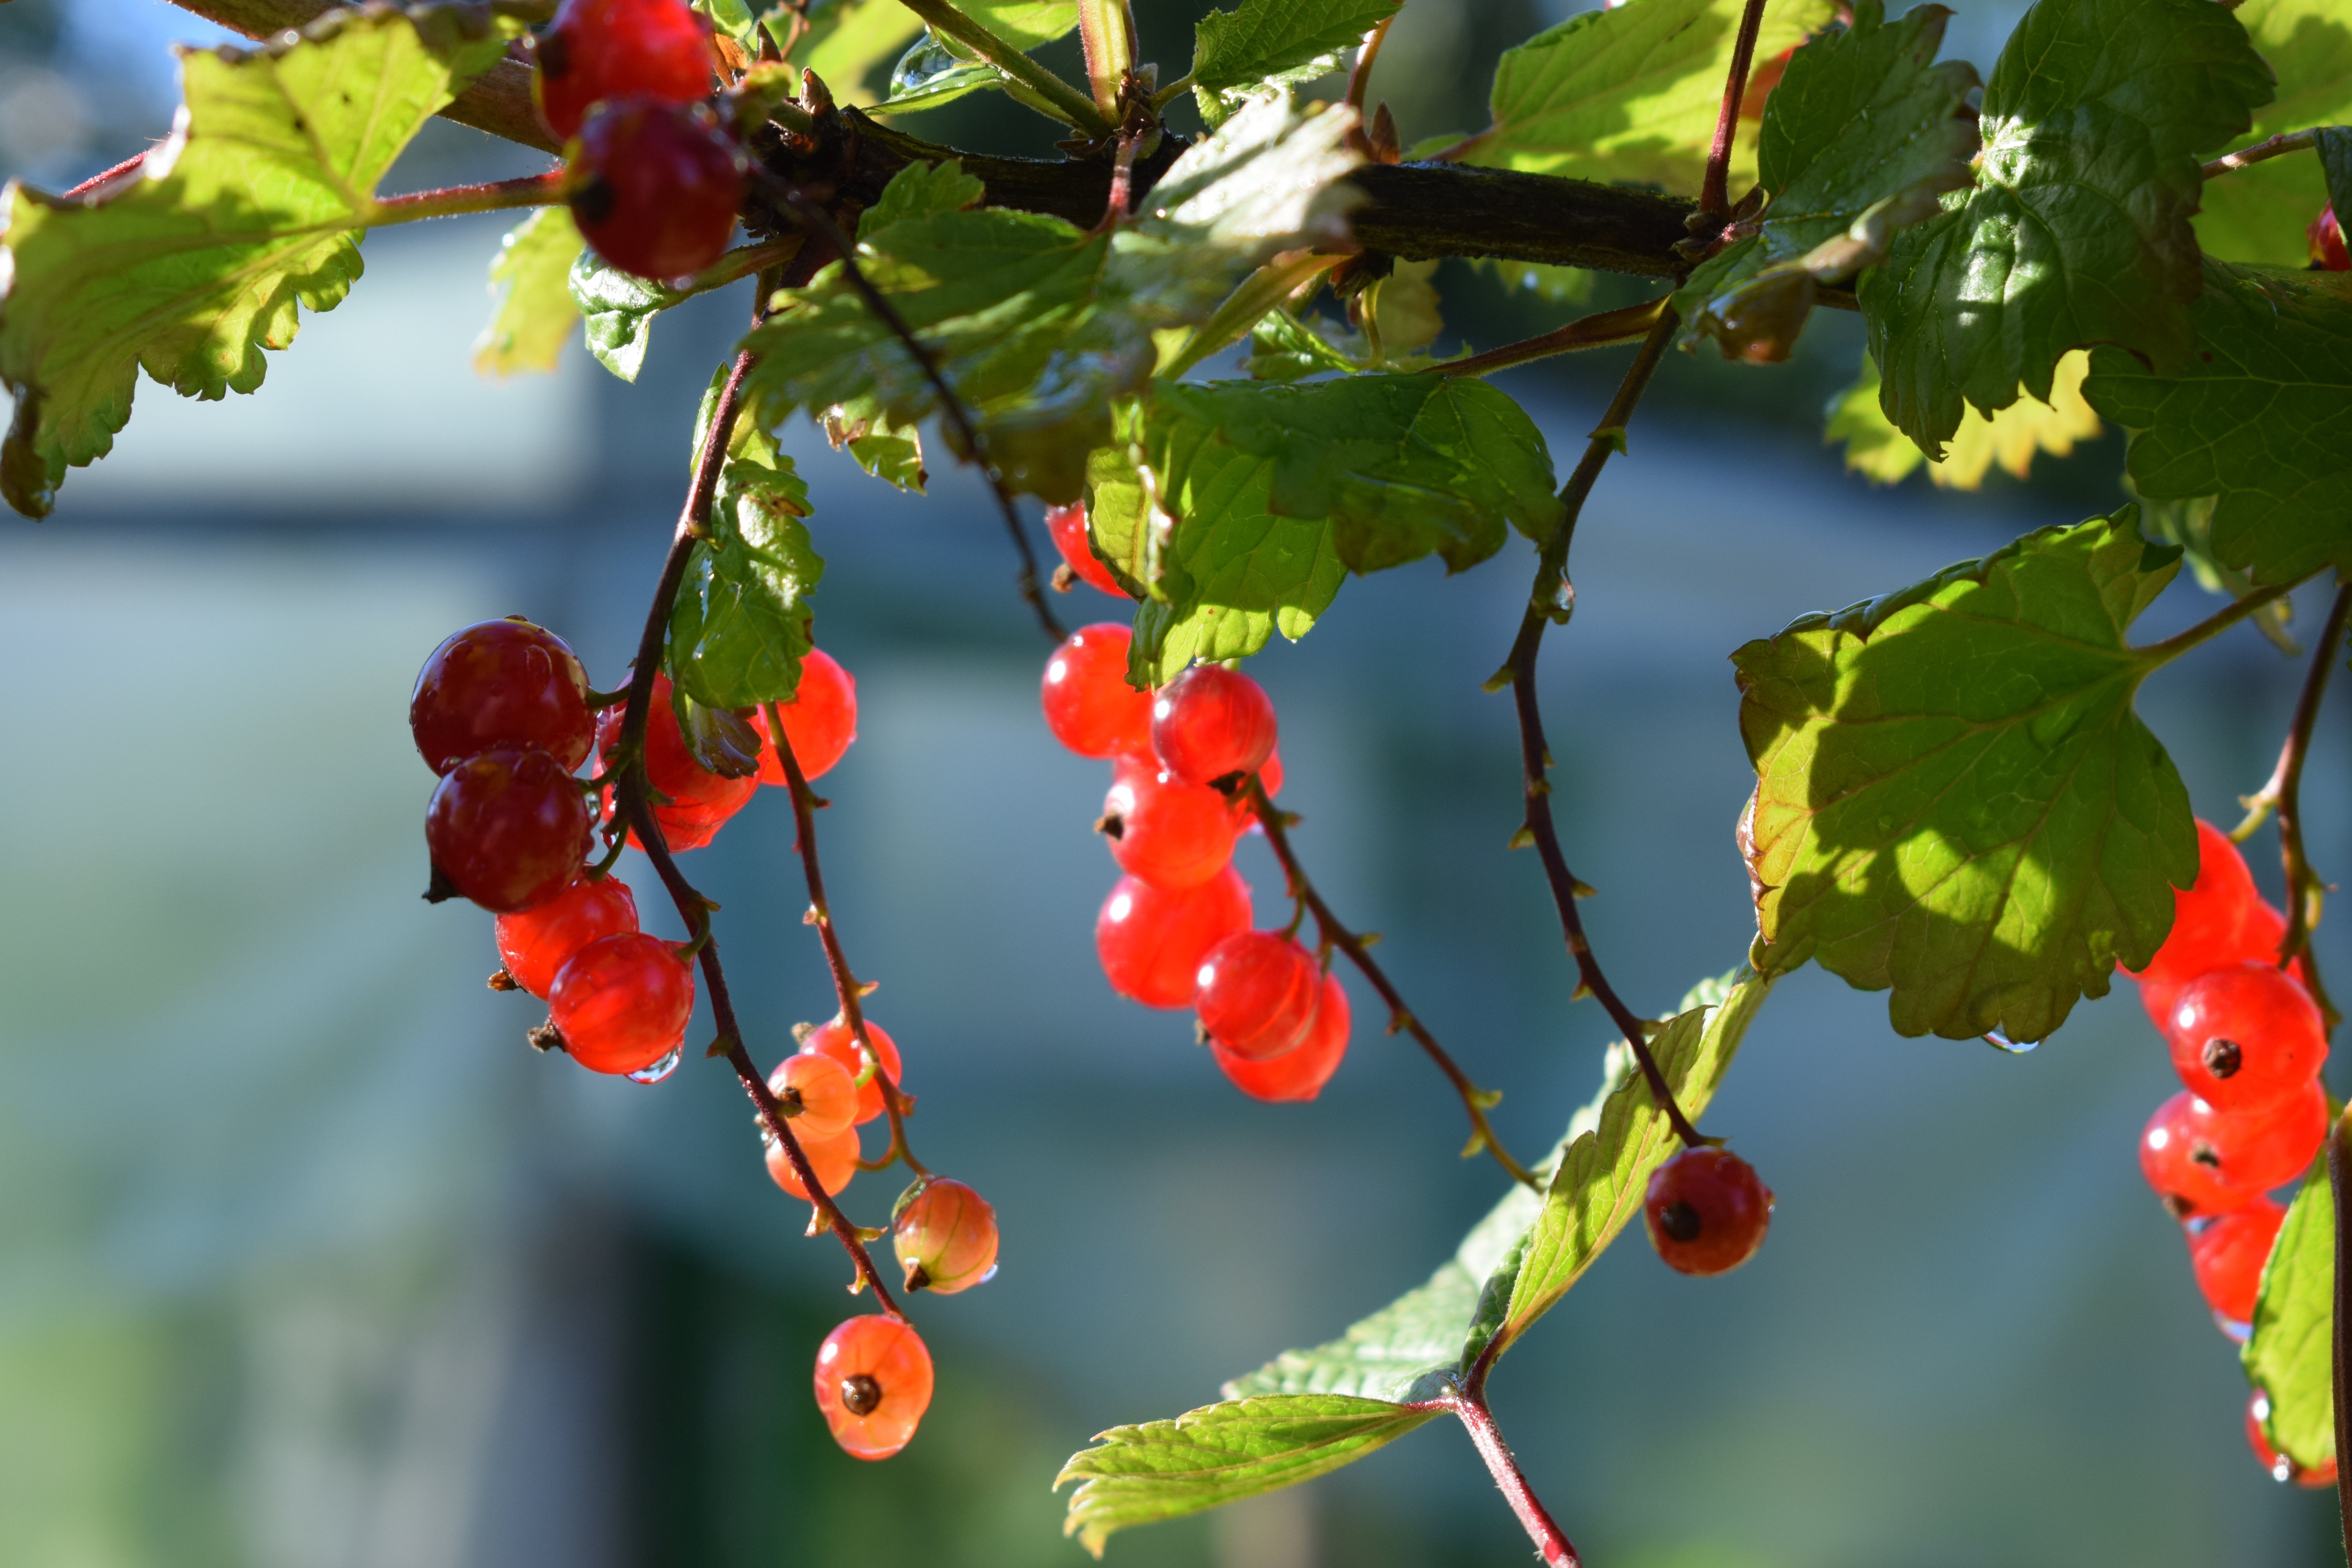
(530, 191)
(2214, 624)
(1600, 331)
(1066, 102)
(1473, 1099)
(1107, 36)
(1714, 198)
(845, 983)
(1359, 74)
(2307, 893)
(1471, 1409)
(1519, 670)
(2285, 141)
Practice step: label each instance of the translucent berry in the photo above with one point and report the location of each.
(945, 1236)
(836, 1039)
(656, 185)
(536, 943)
(2202, 1162)
(1067, 525)
(1257, 993)
(820, 720)
(2245, 1038)
(833, 1159)
(2257, 940)
(2228, 1251)
(699, 802)
(1297, 1074)
(622, 1002)
(873, 1382)
(1210, 724)
(827, 1095)
(1706, 1211)
(1170, 834)
(508, 829)
(1089, 706)
(501, 686)
(2208, 914)
(2327, 251)
(1151, 940)
(2279, 1466)
(596, 49)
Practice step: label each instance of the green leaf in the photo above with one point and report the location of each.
(2291, 1355)
(2258, 416)
(1630, 94)
(1220, 1454)
(890, 454)
(2077, 232)
(1954, 796)
(1284, 347)
(530, 286)
(618, 309)
(2257, 213)
(734, 18)
(2009, 439)
(740, 628)
(2336, 162)
(198, 262)
(1262, 45)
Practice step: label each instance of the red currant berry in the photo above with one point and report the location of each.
(596, 49)
(2327, 234)
(2203, 1162)
(2208, 914)
(699, 801)
(820, 720)
(833, 1159)
(2280, 1468)
(537, 942)
(656, 185)
(508, 829)
(1172, 835)
(1257, 993)
(1297, 1074)
(622, 1002)
(827, 1095)
(1707, 1211)
(1211, 722)
(1067, 525)
(1089, 706)
(2228, 1251)
(873, 1382)
(1151, 940)
(945, 1236)
(501, 686)
(2245, 1038)
(836, 1039)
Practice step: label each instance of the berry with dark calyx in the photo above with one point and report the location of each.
(945, 1236)
(2277, 1464)
(596, 49)
(1298, 1074)
(833, 1158)
(826, 1094)
(873, 1382)
(820, 720)
(535, 943)
(699, 801)
(2208, 914)
(654, 186)
(1088, 704)
(1170, 834)
(508, 829)
(1257, 993)
(1067, 527)
(1210, 724)
(2202, 1162)
(1151, 940)
(1707, 1211)
(2327, 234)
(2245, 1038)
(2228, 1252)
(501, 686)
(835, 1039)
(622, 1002)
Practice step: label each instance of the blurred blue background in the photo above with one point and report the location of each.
(308, 1262)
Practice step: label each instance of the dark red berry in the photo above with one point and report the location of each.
(945, 1236)
(2228, 1251)
(1151, 940)
(501, 686)
(1170, 834)
(1088, 704)
(2202, 1162)
(697, 802)
(622, 1002)
(536, 943)
(873, 1383)
(820, 720)
(656, 185)
(596, 49)
(508, 829)
(1257, 993)
(835, 1039)
(1297, 1074)
(2327, 234)
(1212, 723)
(1067, 526)
(1707, 1211)
(2245, 1038)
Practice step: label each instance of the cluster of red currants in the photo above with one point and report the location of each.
(655, 177)
(2248, 1042)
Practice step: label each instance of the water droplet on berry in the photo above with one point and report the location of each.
(2002, 1041)
(658, 1071)
(921, 66)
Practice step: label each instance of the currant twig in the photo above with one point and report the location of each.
(1601, 330)
(1475, 1100)
(2285, 141)
(530, 191)
(1714, 198)
(1534, 756)
(2305, 892)
(1469, 1405)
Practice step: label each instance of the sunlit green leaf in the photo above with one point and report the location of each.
(531, 283)
(2257, 213)
(2009, 439)
(2291, 1355)
(1266, 43)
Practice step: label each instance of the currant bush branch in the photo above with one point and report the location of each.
(2285, 141)
(1475, 1100)
(1603, 329)
(1714, 198)
(1469, 1405)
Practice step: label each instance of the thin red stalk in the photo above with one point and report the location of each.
(1551, 1542)
(2283, 142)
(2304, 889)
(126, 167)
(1601, 330)
(530, 190)
(1360, 77)
(1713, 199)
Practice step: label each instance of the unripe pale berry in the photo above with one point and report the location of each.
(1172, 835)
(2245, 1038)
(873, 1383)
(536, 943)
(827, 1095)
(945, 1236)
(1210, 724)
(596, 49)
(1707, 1211)
(1298, 1074)
(501, 686)
(654, 186)
(1088, 704)
(508, 829)
(1257, 993)
(833, 1159)
(1151, 940)
(820, 719)
(622, 1002)
(835, 1039)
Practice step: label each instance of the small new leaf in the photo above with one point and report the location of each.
(2256, 214)
(1261, 46)
(1954, 796)
(532, 311)
(2291, 1352)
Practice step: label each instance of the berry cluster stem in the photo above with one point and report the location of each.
(1713, 197)
(1473, 1099)
(2307, 893)
(1535, 756)
(1603, 329)
(1470, 1408)
(2285, 141)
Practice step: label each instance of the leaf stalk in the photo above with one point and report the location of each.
(1066, 102)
